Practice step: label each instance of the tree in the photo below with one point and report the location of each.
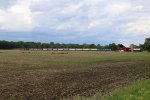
(146, 45)
(92, 46)
(99, 46)
(113, 47)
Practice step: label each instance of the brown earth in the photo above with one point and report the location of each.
(84, 80)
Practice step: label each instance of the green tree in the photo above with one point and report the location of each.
(113, 47)
(146, 45)
(92, 46)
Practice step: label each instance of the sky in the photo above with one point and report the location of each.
(75, 21)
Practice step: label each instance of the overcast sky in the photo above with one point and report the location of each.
(75, 21)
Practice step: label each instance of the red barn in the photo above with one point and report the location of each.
(122, 48)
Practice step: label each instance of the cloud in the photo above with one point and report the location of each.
(94, 19)
(17, 17)
(115, 9)
(139, 26)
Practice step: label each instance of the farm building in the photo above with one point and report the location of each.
(68, 49)
(105, 50)
(136, 50)
(122, 48)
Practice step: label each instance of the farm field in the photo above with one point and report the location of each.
(58, 75)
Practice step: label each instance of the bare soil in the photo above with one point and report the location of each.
(84, 80)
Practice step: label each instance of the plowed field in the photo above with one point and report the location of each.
(22, 79)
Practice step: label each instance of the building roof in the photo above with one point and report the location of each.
(137, 49)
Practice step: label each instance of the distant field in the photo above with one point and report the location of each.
(55, 75)
(28, 60)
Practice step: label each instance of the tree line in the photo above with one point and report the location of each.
(26, 45)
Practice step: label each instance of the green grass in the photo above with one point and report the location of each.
(136, 91)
